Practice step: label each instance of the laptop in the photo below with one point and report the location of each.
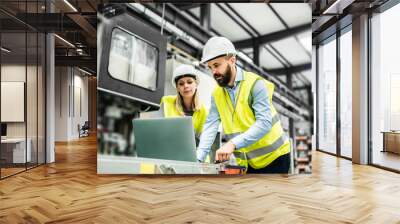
(165, 138)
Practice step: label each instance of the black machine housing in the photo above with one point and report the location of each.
(127, 22)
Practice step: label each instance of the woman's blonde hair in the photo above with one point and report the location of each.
(195, 100)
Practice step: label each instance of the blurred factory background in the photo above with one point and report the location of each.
(277, 47)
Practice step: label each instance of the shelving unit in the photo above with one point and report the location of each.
(303, 155)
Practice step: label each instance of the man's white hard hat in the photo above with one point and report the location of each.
(217, 46)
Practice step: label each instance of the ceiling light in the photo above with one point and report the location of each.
(5, 50)
(84, 71)
(338, 6)
(70, 5)
(64, 40)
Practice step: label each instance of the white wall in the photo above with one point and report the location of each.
(33, 126)
(14, 73)
(71, 94)
(61, 103)
(80, 100)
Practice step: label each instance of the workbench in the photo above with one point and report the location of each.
(109, 164)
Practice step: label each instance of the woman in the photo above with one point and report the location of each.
(186, 101)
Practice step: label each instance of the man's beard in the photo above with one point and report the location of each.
(226, 77)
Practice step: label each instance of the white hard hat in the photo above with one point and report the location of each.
(217, 46)
(182, 70)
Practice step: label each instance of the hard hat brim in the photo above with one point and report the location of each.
(212, 58)
(176, 79)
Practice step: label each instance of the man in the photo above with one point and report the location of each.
(242, 101)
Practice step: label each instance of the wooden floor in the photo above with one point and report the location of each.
(5, 172)
(10, 171)
(70, 191)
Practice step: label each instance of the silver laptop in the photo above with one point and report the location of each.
(165, 138)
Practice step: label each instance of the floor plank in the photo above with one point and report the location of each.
(70, 191)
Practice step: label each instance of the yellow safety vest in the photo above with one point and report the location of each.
(236, 121)
(199, 116)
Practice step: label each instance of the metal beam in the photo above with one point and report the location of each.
(290, 70)
(235, 1)
(205, 16)
(195, 31)
(84, 24)
(187, 6)
(50, 22)
(86, 51)
(289, 81)
(193, 16)
(8, 24)
(307, 87)
(235, 19)
(287, 27)
(83, 61)
(241, 18)
(256, 53)
(256, 44)
(272, 36)
(174, 15)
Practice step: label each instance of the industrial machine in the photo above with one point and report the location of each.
(131, 80)
(131, 65)
(135, 62)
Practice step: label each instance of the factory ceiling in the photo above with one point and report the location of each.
(276, 36)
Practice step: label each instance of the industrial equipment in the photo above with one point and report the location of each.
(131, 65)
(131, 80)
(135, 63)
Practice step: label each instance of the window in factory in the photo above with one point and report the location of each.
(133, 60)
(345, 92)
(327, 95)
(385, 89)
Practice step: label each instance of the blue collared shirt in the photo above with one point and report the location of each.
(262, 112)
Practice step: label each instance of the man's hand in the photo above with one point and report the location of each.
(224, 153)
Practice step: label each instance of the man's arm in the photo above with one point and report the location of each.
(210, 130)
(262, 112)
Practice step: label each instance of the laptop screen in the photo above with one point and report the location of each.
(165, 138)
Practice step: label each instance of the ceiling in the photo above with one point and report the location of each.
(73, 22)
(247, 21)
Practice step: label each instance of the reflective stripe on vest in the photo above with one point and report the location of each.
(272, 145)
(261, 151)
